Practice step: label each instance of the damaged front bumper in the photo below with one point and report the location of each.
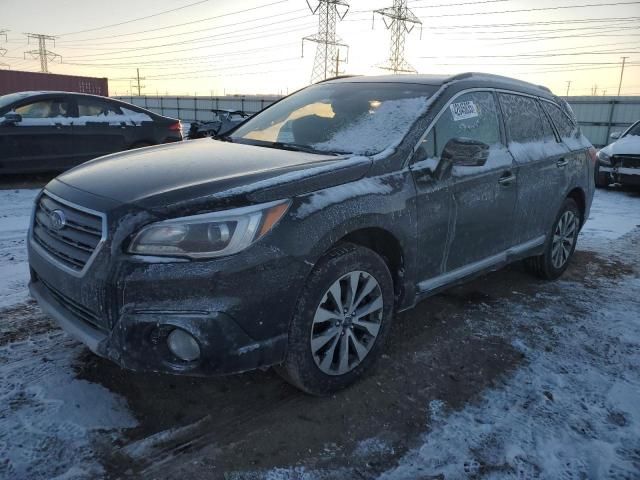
(138, 339)
(622, 175)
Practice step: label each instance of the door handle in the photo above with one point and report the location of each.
(507, 179)
(563, 162)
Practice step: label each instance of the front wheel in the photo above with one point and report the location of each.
(341, 321)
(561, 244)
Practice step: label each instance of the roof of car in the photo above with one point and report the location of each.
(54, 92)
(438, 80)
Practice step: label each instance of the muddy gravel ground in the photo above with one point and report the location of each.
(442, 357)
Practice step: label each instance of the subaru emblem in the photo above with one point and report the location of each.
(57, 219)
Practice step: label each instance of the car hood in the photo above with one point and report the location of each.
(629, 145)
(204, 170)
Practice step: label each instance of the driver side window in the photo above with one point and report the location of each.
(51, 108)
(471, 116)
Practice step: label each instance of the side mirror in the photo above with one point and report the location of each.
(465, 152)
(11, 118)
(615, 135)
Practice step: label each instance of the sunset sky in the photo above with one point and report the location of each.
(254, 46)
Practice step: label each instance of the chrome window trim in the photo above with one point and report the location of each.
(462, 92)
(47, 255)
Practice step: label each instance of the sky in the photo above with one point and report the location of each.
(216, 47)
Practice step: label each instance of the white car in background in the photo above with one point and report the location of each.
(619, 162)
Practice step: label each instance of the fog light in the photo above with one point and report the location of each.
(183, 345)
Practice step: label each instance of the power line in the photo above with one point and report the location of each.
(326, 40)
(189, 23)
(546, 55)
(217, 28)
(540, 9)
(241, 39)
(135, 19)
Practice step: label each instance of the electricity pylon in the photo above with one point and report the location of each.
(401, 21)
(329, 11)
(42, 52)
(3, 51)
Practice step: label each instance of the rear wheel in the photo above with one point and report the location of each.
(341, 321)
(561, 244)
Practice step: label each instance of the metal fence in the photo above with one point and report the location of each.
(600, 116)
(192, 109)
(597, 116)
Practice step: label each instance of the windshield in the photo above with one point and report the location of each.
(10, 98)
(633, 130)
(359, 118)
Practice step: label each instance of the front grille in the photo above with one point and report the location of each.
(74, 243)
(80, 311)
(626, 161)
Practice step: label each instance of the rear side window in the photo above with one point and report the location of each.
(565, 127)
(88, 107)
(472, 115)
(523, 118)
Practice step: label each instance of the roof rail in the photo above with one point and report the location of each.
(337, 78)
(463, 76)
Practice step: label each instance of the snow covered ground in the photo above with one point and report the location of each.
(569, 410)
(15, 212)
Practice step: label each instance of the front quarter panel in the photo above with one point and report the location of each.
(320, 220)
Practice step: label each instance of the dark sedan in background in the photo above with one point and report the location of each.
(53, 131)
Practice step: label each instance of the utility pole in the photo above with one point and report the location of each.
(338, 62)
(329, 12)
(400, 21)
(140, 87)
(42, 52)
(568, 87)
(624, 59)
(594, 90)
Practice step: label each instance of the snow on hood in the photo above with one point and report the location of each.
(625, 146)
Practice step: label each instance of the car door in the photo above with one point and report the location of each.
(479, 200)
(99, 128)
(540, 159)
(42, 140)
(577, 160)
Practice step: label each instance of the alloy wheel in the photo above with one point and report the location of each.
(346, 323)
(564, 237)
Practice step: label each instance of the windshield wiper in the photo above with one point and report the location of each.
(296, 147)
(223, 138)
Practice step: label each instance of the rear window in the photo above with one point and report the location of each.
(522, 117)
(563, 124)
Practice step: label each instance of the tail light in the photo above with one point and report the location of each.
(593, 153)
(175, 127)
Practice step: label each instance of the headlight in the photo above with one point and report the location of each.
(604, 158)
(209, 235)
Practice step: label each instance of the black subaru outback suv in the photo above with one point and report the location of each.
(293, 240)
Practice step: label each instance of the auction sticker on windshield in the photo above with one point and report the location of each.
(463, 110)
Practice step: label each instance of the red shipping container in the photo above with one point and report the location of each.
(12, 81)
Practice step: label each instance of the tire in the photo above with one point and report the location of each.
(560, 245)
(602, 179)
(318, 332)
